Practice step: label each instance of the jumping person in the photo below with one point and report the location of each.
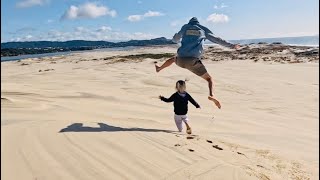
(191, 49)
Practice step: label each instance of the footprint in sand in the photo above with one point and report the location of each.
(240, 153)
(209, 141)
(193, 136)
(217, 147)
(191, 150)
(177, 145)
(46, 70)
(260, 166)
(4, 100)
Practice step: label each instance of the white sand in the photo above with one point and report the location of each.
(269, 116)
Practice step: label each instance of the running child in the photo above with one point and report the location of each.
(180, 102)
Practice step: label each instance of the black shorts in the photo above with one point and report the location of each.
(193, 64)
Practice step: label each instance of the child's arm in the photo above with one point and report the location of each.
(193, 102)
(171, 98)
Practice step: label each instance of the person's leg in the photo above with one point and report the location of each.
(178, 121)
(196, 66)
(186, 121)
(208, 78)
(165, 64)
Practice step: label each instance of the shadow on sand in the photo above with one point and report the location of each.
(78, 127)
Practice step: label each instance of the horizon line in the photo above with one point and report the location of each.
(117, 41)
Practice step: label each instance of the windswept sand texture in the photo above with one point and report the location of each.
(83, 117)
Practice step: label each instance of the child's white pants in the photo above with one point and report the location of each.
(178, 119)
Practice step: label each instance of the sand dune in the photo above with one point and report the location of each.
(95, 120)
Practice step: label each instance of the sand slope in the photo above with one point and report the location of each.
(92, 120)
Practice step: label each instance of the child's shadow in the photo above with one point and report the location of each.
(78, 127)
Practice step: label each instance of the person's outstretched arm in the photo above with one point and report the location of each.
(176, 38)
(170, 99)
(209, 35)
(193, 101)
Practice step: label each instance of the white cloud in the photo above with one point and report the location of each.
(28, 37)
(152, 14)
(103, 33)
(220, 6)
(134, 18)
(78, 32)
(104, 29)
(24, 38)
(223, 6)
(30, 3)
(217, 18)
(81, 29)
(15, 39)
(49, 21)
(87, 10)
(140, 35)
(137, 17)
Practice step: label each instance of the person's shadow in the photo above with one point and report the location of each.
(78, 127)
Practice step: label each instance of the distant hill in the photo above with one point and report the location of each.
(82, 43)
(40, 47)
(54, 44)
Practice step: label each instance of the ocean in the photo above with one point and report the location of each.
(16, 58)
(294, 41)
(301, 41)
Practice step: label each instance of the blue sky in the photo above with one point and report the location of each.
(116, 20)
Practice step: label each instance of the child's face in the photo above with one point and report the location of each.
(181, 87)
